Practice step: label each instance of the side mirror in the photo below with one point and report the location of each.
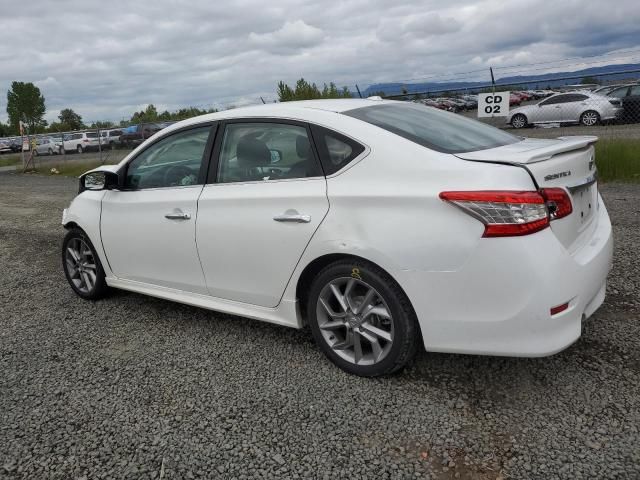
(276, 156)
(98, 180)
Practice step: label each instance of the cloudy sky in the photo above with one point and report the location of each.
(106, 59)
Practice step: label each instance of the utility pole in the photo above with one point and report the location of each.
(493, 80)
(358, 89)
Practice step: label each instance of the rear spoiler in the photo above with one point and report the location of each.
(531, 150)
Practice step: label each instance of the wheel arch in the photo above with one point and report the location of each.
(314, 267)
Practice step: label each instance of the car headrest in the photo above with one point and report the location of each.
(252, 153)
(303, 147)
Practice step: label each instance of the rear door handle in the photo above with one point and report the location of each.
(178, 216)
(295, 218)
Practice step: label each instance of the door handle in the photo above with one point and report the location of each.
(295, 218)
(178, 216)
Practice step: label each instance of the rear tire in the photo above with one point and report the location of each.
(82, 266)
(519, 120)
(361, 319)
(50, 151)
(589, 118)
(80, 149)
(35, 152)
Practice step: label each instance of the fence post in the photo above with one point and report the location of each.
(99, 145)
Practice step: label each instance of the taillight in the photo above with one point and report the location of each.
(512, 213)
(558, 202)
(504, 213)
(86, 140)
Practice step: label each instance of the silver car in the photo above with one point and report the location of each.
(46, 146)
(581, 107)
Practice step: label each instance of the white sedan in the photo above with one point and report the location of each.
(380, 225)
(583, 107)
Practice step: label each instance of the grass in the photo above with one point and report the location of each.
(10, 159)
(618, 160)
(70, 169)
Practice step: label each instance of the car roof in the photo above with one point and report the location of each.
(303, 110)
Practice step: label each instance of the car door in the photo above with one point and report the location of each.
(265, 198)
(550, 110)
(572, 107)
(148, 225)
(631, 104)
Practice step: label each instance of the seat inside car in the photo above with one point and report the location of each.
(252, 153)
(306, 167)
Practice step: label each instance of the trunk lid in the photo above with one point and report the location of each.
(566, 162)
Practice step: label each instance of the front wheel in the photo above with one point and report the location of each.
(361, 319)
(82, 266)
(589, 118)
(519, 121)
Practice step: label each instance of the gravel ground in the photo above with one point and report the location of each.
(136, 387)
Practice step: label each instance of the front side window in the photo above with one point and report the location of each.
(265, 151)
(635, 90)
(174, 161)
(432, 128)
(555, 100)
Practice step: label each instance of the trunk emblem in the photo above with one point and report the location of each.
(554, 176)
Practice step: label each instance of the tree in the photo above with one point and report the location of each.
(70, 120)
(103, 124)
(589, 81)
(25, 102)
(309, 91)
(5, 130)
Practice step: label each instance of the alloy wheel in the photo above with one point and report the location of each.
(81, 265)
(355, 321)
(518, 121)
(589, 118)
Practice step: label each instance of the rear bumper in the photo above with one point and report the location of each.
(499, 301)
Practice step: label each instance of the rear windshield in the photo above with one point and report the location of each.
(92, 135)
(432, 128)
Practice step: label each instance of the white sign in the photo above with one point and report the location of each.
(493, 104)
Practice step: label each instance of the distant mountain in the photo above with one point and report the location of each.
(605, 74)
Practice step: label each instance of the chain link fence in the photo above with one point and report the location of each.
(609, 107)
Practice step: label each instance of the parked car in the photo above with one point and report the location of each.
(391, 228)
(16, 145)
(5, 146)
(46, 146)
(604, 90)
(136, 134)
(514, 99)
(80, 142)
(629, 95)
(111, 138)
(586, 108)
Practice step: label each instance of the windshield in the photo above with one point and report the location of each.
(432, 128)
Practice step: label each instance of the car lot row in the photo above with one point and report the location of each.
(586, 106)
(82, 141)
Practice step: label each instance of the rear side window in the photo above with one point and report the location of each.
(432, 128)
(336, 151)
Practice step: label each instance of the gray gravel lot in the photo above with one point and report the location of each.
(137, 387)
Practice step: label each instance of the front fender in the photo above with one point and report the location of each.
(84, 212)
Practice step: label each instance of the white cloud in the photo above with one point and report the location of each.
(105, 60)
(290, 37)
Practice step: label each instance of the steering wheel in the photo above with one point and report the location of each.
(174, 175)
